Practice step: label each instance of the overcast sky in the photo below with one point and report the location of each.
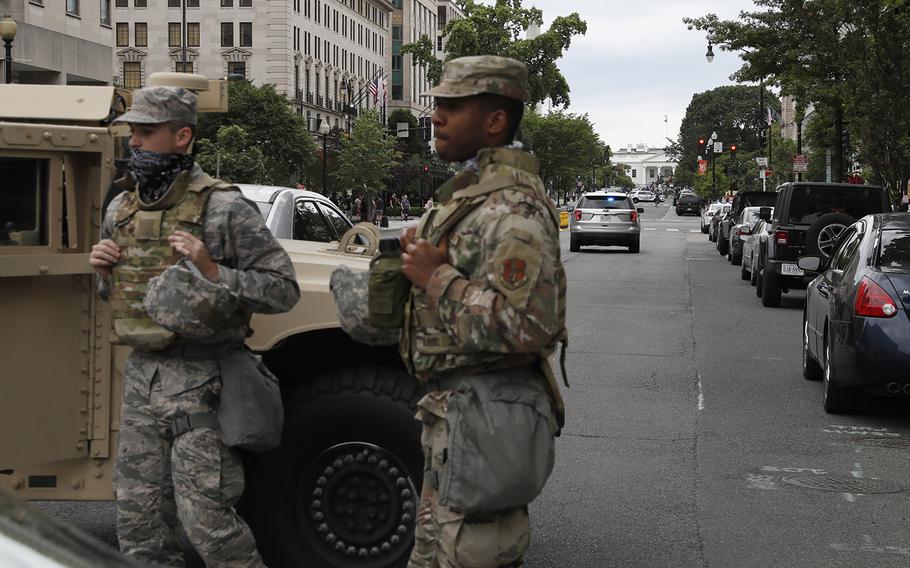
(638, 63)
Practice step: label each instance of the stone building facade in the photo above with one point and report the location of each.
(322, 54)
(411, 19)
(60, 42)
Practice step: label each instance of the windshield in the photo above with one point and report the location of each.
(603, 202)
(895, 250)
(809, 203)
(264, 208)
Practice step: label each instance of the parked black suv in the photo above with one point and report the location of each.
(741, 200)
(688, 203)
(808, 218)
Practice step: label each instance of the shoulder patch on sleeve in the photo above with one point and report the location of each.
(517, 266)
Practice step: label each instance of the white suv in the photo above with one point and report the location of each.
(708, 214)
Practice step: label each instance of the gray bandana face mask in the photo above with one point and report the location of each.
(154, 172)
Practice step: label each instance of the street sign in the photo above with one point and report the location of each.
(702, 167)
(718, 147)
(402, 129)
(762, 162)
(800, 163)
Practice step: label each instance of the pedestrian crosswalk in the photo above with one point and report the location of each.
(671, 230)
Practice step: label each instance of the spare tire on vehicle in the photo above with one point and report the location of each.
(824, 232)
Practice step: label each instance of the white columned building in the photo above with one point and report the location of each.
(646, 164)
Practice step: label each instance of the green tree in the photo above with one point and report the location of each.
(231, 156)
(279, 133)
(733, 112)
(497, 30)
(367, 156)
(566, 145)
(414, 143)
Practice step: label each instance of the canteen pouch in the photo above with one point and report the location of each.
(501, 445)
(389, 287)
(250, 413)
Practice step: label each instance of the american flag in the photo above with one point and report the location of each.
(374, 89)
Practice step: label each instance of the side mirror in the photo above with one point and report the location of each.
(764, 213)
(570, 208)
(810, 263)
(640, 210)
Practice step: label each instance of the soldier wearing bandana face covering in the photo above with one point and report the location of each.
(173, 471)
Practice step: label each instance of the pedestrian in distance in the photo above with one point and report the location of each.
(486, 309)
(174, 473)
(405, 207)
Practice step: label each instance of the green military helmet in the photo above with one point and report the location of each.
(351, 292)
(469, 76)
(188, 304)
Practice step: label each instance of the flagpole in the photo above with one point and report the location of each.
(770, 122)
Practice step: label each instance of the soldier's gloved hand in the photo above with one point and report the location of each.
(421, 259)
(192, 248)
(104, 256)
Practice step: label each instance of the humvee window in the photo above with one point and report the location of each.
(23, 201)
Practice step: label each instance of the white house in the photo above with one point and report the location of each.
(645, 163)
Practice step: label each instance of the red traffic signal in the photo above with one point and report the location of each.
(701, 141)
(733, 147)
(426, 168)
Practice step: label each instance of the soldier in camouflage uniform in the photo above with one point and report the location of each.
(174, 474)
(488, 300)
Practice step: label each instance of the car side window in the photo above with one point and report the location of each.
(849, 242)
(339, 223)
(310, 225)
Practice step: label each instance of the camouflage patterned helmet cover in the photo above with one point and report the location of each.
(468, 76)
(187, 303)
(156, 105)
(351, 290)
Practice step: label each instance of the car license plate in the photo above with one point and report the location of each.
(791, 270)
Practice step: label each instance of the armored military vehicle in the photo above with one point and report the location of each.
(340, 491)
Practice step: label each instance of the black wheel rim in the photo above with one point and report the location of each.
(828, 236)
(356, 505)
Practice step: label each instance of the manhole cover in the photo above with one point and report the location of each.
(842, 484)
(892, 443)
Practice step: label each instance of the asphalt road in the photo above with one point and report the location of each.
(686, 414)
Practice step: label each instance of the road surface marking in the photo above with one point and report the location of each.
(673, 230)
(701, 396)
(764, 482)
(869, 546)
(851, 430)
(773, 468)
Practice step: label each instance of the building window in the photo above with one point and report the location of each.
(439, 43)
(181, 67)
(192, 3)
(227, 34)
(246, 34)
(72, 7)
(141, 33)
(249, 4)
(173, 34)
(192, 34)
(121, 4)
(141, 4)
(106, 12)
(132, 75)
(237, 68)
(123, 34)
(173, 3)
(634, 173)
(227, 3)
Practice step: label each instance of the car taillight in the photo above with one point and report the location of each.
(633, 216)
(782, 238)
(577, 215)
(872, 301)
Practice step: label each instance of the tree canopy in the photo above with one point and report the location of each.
(497, 30)
(272, 127)
(847, 58)
(367, 156)
(231, 156)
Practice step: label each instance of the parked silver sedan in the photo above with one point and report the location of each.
(741, 231)
(605, 218)
(752, 247)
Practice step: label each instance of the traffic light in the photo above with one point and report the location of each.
(426, 128)
(701, 141)
(732, 151)
(426, 168)
(845, 140)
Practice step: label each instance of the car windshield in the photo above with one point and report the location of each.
(264, 208)
(895, 250)
(603, 202)
(809, 203)
(688, 198)
(750, 216)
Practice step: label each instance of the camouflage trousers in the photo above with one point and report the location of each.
(190, 483)
(445, 538)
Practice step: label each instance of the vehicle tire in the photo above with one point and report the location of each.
(823, 233)
(812, 371)
(634, 200)
(771, 290)
(837, 399)
(759, 282)
(704, 230)
(574, 244)
(635, 246)
(678, 214)
(366, 442)
(743, 273)
(753, 273)
(723, 245)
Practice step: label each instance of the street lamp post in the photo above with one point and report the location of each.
(324, 130)
(8, 33)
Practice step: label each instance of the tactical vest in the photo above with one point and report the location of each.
(141, 231)
(433, 341)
